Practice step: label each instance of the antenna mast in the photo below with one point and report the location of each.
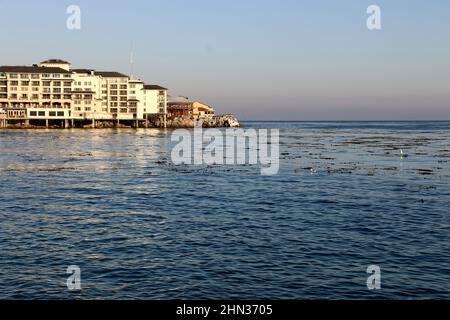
(131, 62)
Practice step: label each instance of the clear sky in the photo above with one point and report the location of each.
(258, 59)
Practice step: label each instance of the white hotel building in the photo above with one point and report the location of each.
(55, 93)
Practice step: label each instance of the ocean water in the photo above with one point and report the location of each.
(139, 227)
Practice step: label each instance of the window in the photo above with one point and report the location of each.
(13, 88)
(60, 113)
(46, 83)
(25, 83)
(67, 84)
(34, 76)
(67, 96)
(57, 83)
(87, 108)
(41, 113)
(33, 113)
(67, 76)
(56, 75)
(113, 93)
(45, 75)
(123, 86)
(24, 76)
(56, 90)
(123, 98)
(56, 96)
(35, 96)
(46, 96)
(24, 96)
(123, 93)
(13, 76)
(52, 114)
(67, 90)
(35, 83)
(113, 86)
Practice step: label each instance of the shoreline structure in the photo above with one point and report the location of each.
(53, 95)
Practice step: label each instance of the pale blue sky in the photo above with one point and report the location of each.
(259, 59)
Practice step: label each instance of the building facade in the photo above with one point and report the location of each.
(183, 107)
(54, 91)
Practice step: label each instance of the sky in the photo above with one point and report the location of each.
(258, 59)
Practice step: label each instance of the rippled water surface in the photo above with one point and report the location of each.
(139, 227)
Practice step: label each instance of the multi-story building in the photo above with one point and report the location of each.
(155, 99)
(54, 91)
(86, 95)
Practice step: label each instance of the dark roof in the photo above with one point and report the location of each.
(110, 74)
(55, 61)
(33, 69)
(154, 87)
(104, 74)
(87, 71)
